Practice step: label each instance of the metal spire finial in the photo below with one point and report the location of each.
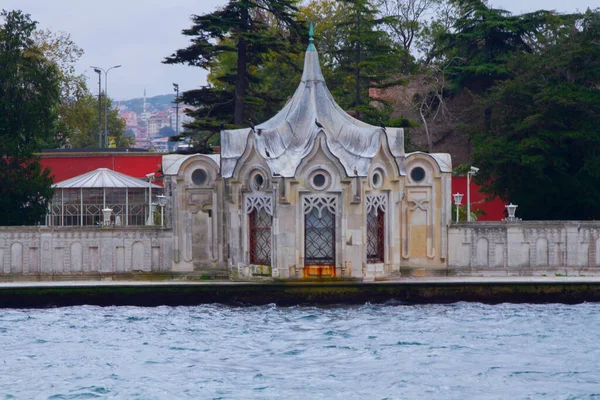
(311, 39)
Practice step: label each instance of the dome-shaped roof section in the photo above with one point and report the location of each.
(103, 178)
(289, 136)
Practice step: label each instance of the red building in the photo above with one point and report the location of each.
(493, 208)
(68, 163)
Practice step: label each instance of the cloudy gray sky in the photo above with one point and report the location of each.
(138, 34)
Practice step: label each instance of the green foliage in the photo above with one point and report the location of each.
(78, 108)
(540, 149)
(166, 131)
(405, 19)
(234, 41)
(402, 123)
(461, 170)
(60, 50)
(484, 40)
(365, 57)
(29, 103)
(80, 122)
(25, 191)
(462, 213)
(527, 86)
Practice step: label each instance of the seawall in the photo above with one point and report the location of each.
(417, 291)
(524, 248)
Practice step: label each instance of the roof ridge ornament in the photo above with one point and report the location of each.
(311, 39)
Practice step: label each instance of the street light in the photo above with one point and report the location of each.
(176, 89)
(151, 206)
(457, 200)
(162, 202)
(99, 106)
(511, 209)
(106, 212)
(105, 100)
(472, 171)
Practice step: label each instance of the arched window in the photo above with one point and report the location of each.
(376, 209)
(260, 237)
(260, 221)
(319, 230)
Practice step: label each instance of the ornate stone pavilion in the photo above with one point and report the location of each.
(312, 192)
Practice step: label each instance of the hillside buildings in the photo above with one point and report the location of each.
(149, 125)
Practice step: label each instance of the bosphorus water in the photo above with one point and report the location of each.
(456, 351)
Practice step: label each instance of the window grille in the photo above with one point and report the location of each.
(319, 230)
(260, 220)
(376, 208)
(72, 207)
(260, 237)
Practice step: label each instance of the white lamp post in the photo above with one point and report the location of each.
(106, 212)
(472, 171)
(162, 202)
(511, 209)
(457, 200)
(150, 220)
(152, 211)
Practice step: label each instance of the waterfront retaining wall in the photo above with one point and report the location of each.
(50, 251)
(478, 249)
(524, 248)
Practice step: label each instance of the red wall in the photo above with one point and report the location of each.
(494, 208)
(68, 165)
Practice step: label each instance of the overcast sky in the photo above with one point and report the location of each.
(138, 34)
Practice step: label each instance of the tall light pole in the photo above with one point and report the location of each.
(150, 220)
(176, 89)
(472, 171)
(99, 106)
(106, 100)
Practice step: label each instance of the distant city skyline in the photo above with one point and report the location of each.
(139, 34)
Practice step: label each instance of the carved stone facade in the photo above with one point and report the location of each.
(310, 193)
(195, 212)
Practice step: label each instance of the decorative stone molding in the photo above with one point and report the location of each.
(258, 202)
(422, 204)
(320, 203)
(377, 202)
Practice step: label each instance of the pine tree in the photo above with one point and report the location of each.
(241, 34)
(484, 39)
(368, 58)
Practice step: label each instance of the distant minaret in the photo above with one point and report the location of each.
(145, 100)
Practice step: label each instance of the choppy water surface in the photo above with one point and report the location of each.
(457, 351)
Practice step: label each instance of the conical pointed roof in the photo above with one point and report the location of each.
(104, 178)
(287, 138)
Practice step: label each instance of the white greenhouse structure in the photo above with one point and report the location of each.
(80, 201)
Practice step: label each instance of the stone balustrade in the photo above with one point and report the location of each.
(476, 248)
(524, 248)
(31, 250)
